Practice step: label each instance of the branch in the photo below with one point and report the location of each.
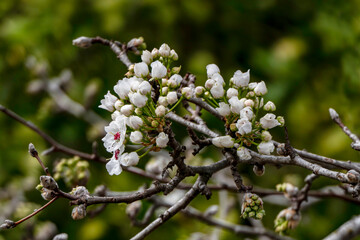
(178, 206)
(335, 117)
(348, 230)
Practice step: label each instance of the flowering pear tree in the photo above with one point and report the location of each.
(152, 97)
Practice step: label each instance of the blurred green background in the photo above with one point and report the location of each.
(308, 53)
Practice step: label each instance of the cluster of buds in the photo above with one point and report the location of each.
(73, 171)
(289, 190)
(79, 212)
(286, 219)
(241, 104)
(143, 98)
(47, 187)
(252, 206)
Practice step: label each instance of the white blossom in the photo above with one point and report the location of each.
(163, 101)
(118, 104)
(232, 92)
(223, 141)
(162, 140)
(243, 153)
(134, 122)
(158, 70)
(217, 90)
(127, 109)
(209, 83)
(134, 84)
(136, 137)
(172, 97)
(144, 88)
(174, 81)
(116, 114)
(187, 92)
(160, 111)
(199, 91)
(269, 121)
(108, 102)
(164, 50)
(164, 90)
(113, 166)
(241, 79)
(129, 159)
(269, 106)
(211, 69)
(122, 88)
(266, 147)
(246, 112)
(138, 100)
(218, 78)
(244, 126)
(223, 109)
(266, 136)
(236, 105)
(115, 135)
(155, 53)
(174, 55)
(141, 69)
(249, 103)
(252, 85)
(146, 56)
(260, 89)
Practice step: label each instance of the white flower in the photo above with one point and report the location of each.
(217, 90)
(174, 81)
(246, 112)
(116, 114)
(113, 166)
(199, 91)
(164, 50)
(223, 109)
(260, 89)
(108, 102)
(243, 153)
(172, 97)
(127, 109)
(211, 69)
(223, 141)
(218, 78)
(138, 100)
(163, 101)
(266, 147)
(155, 53)
(83, 42)
(146, 56)
(252, 85)
(174, 55)
(118, 104)
(158, 70)
(232, 92)
(129, 159)
(241, 79)
(134, 122)
(244, 126)
(134, 84)
(136, 137)
(249, 103)
(160, 111)
(266, 136)
(122, 88)
(144, 88)
(141, 69)
(209, 83)
(162, 140)
(115, 135)
(269, 106)
(269, 121)
(187, 92)
(236, 105)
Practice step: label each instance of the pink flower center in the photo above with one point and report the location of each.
(117, 152)
(117, 136)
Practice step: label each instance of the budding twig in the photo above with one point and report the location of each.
(35, 154)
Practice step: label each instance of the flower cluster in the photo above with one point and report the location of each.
(289, 190)
(73, 171)
(252, 206)
(143, 98)
(286, 219)
(240, 104)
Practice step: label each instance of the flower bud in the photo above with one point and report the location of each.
(47, 194)
(217, 90)
(175, 70)
(260, 89)
(246, 112)
(241, 79)
(163, 101)
(211, 69)
(154, 123)
(199, 91)
(136, 137)
(269, 121)
(155, 53)
(119, 104)
(232, 92)
(249, 103)
(134, 122)
(162, 140)
(160, 111)
(223, 109)
(172, 97)
(266, 148)
(252, 85)
(266, 136)
(164, 50)
(164, 90)
(158, 70)
(146, 57)
(243, 153)
(174, 55)
(187, 92)
(141, 69)
(82, 42)
(144, 87)
(129, 159)
(127, 109)
(223, 141)
(269, 106)
(79, 212)
(138, 111)
(281, 120)
(48, 182)
(252, 206)
(209, 83)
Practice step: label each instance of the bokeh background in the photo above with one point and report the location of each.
(308, 53)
